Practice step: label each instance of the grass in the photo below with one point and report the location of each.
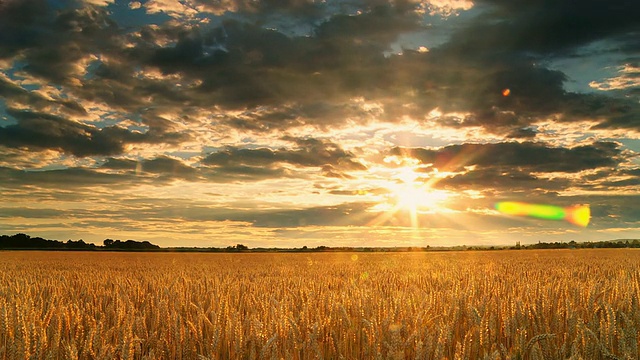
(534, 304)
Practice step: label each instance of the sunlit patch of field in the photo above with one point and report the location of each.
(553, 304)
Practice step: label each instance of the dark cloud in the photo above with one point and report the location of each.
(544, 26)
(234, 164)
(523, 133)
(168, 168)
(633, 172)
(157, 171)
(240, 65)
(510, 182)
(322, 114)
(30, 213)
(70, 178)
(468, 84)
(381, 25)
(243, 65)
(306, 8)
(52, 41)
(119, 164)
(620, 210)
(527, 156)
(623, 114)
(288, 81)
(15, 93)
(309, 153)
(43, 131)
(38, 131)
(21, 25)
(161, 165)
(513, 168)
(242, 173)
(508, 47)
(166, 165)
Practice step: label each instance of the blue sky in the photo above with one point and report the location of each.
(299, 122)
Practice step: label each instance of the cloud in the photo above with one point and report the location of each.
(280, 82)
(511, 182)
(20, 25)
(345, 214)
(629, 78)
(309, 10)
(179, 96)
(547, 26)
(309, 153)
(39, 131)
(163, 165)
(120, 174)
(16, 96)
(166, 165)
(529, 156)
(43, 131)
(519, 168)
(53, 44)
(120, 164)
(30, 213)
(239, 65)
(69, 178)
(223, 172)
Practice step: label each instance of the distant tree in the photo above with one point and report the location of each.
(80, 244)
(129, 245)
(21, 237)
(242, 247)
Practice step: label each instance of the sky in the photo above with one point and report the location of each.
(290, 123)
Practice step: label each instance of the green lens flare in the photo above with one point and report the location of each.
(578, 215)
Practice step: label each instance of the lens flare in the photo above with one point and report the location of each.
(506, 92)
(576, 214)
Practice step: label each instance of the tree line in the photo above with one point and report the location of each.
(24, 241)
(623, 243)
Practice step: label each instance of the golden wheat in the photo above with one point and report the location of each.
(554, 304)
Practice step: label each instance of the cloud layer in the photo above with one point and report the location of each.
(307, 115)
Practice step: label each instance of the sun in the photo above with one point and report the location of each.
(410, 192)
(413, 197)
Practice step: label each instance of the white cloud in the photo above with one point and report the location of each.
(629, 78)
(98, 2)
(443, 7)
(182, 10)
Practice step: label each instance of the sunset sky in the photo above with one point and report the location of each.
(285, 123)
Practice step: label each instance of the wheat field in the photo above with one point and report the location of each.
(544, 304)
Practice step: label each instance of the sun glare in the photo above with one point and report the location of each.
(411, 194)
(418, 198)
